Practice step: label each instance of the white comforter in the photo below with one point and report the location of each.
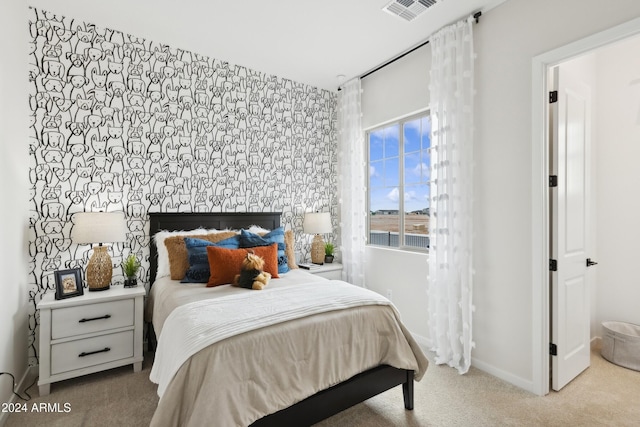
(194, 326)
(302, 334)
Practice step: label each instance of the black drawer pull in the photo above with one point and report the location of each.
(106, 316)
(84, 353)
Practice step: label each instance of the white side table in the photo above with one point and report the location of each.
(331, 271)
(90, 333)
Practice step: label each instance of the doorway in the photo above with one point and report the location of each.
(540, 190)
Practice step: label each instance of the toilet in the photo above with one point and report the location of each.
(621, 344)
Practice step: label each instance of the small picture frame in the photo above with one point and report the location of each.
(68, 283)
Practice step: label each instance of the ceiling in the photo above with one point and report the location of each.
(311, 42)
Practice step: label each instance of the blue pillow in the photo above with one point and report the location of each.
(198, 271)
(251, 240)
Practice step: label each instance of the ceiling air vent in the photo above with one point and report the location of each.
(408, 9)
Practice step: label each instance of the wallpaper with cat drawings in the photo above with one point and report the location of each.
(120, 123)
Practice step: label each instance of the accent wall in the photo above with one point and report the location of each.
(120, 123)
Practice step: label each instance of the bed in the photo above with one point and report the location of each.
(283, 372)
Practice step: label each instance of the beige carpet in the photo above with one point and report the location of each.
(604, 395)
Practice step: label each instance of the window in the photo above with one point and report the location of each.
(399, 170)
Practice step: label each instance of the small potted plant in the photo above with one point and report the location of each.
(130, 267)
(328, 252)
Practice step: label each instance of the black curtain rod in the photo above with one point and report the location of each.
(476, 15)
(393, 60)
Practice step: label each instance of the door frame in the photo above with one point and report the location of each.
(540, 188)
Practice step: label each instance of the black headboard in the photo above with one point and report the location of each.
(191, 221)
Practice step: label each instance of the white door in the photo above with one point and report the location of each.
(570, 295)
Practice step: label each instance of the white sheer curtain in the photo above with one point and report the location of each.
(450, 224)
(352, 192)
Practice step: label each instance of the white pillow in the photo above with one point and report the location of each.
(256, 229)
(163, 254)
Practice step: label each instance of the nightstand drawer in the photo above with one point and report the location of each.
(89, 318)
(78, 354)
(331, 271)
(331, 275)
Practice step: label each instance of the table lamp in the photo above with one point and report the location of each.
(99, 227)
(317, 223)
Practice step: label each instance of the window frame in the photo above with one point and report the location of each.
(400, 121)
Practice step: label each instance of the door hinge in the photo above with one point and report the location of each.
(553, 349)
(553, 96)
(553, 180)
(553, 265)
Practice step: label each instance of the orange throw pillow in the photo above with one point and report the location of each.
(225, 263)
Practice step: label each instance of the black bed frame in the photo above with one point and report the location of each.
(324, 403)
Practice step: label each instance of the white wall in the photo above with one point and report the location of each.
(13, 193)
(405, 273)
(506, 40)
(399, 89)
(617, 155)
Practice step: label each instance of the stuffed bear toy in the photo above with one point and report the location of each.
(251, 274)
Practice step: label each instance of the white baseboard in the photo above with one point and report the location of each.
(503, 375)
(527, 385)
(524, 384)
(30, 374)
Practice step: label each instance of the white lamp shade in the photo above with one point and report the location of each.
(99, 227)
(317, 223)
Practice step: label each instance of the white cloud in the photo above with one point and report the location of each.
(421, 170)
(414, 124)
(410, 196)
(394, 195)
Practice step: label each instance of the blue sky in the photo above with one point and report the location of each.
(384, 166)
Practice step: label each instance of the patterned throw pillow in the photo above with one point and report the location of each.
(177, 251)
(252, 240)
(198, 271)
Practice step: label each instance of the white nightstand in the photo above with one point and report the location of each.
(90, 333)
(331, 271)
